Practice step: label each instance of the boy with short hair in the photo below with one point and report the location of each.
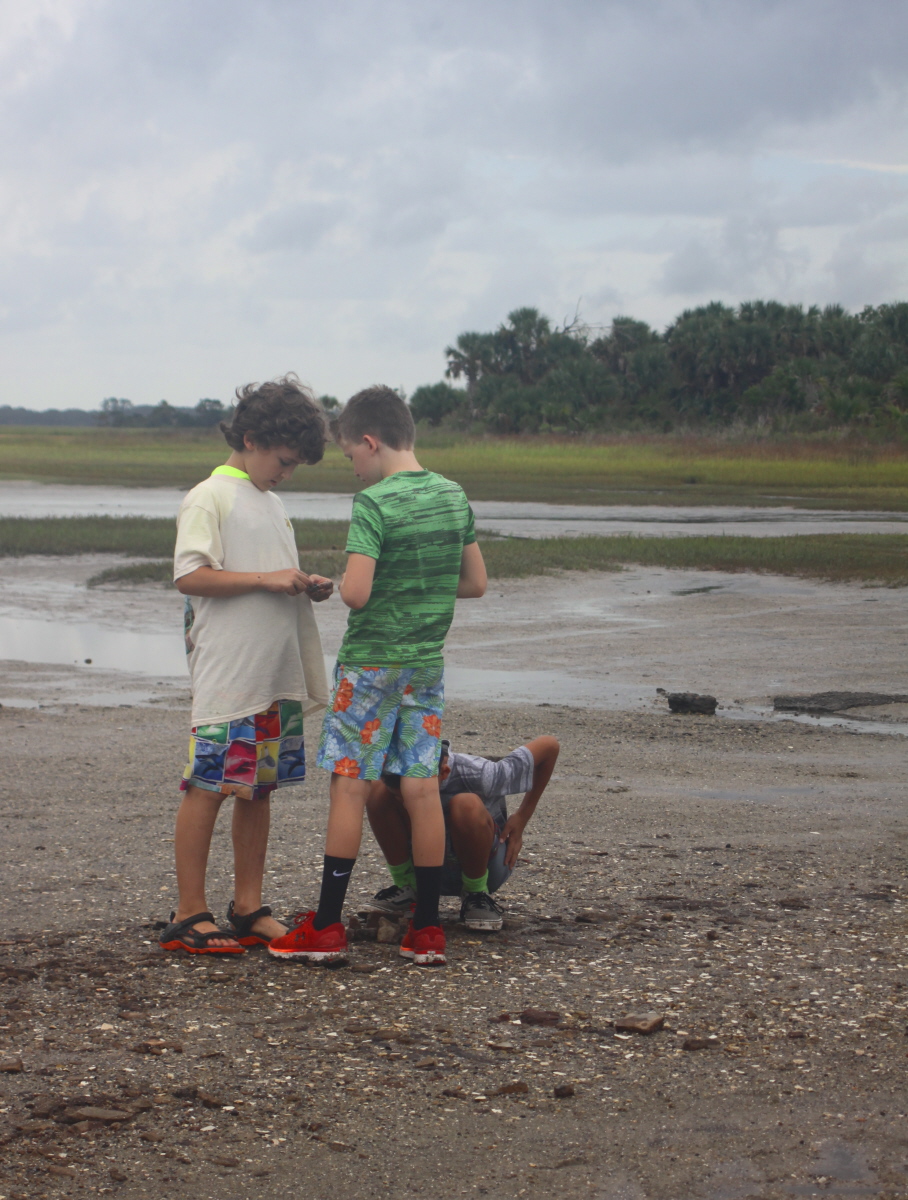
(483, 842)
(255, 658)
(412, 551)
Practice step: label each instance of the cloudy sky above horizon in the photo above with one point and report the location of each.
(195, 195)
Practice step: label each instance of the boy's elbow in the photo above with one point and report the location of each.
(355, 598)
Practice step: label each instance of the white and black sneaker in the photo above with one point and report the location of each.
(479, 911)
(395, 901)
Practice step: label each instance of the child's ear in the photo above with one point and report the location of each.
(372, 442)
(248, 443)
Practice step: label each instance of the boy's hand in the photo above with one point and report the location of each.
(290, 582)
(319, 588)
(512, 836)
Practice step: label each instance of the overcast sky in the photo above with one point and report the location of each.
(199, 193)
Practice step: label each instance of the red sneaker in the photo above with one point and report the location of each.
(424, 946)
(321, 945)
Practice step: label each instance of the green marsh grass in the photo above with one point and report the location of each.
(843, 557)
(330, 563)
(158, 571)
(834, 557)
(617, 470)
(137, 536)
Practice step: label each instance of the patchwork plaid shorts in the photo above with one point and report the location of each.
(251, 756)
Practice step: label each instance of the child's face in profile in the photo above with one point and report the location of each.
(364, 457)
(268, 468)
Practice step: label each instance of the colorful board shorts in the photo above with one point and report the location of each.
(251, 756)
(384, 719)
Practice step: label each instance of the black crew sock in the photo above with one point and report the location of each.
(428, 889)
(335, 877)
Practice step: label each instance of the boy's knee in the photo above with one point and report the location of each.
(379, 796)
(418, 789)
(467, 811)
(195, 795)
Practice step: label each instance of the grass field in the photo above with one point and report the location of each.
(137, 536)
(872, 558)
(640, 470)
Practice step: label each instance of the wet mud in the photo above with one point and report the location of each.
(736, 883)
(746, 884)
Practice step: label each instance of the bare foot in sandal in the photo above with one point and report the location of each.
(198, 934)
(254, 928)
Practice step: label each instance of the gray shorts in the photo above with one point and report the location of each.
(451, 882)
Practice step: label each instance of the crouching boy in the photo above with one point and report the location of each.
(482, 841)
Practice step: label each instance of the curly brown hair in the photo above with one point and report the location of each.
(279, 413)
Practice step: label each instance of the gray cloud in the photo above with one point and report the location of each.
(198, 194)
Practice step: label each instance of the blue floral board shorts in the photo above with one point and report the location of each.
(251, 756)
(384, 719)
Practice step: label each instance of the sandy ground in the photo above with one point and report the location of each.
(746, 880)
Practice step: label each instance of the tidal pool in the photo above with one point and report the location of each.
(96, 650)
(516, 518)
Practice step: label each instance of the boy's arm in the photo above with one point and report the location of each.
(356, 586)
(206, 581)
(545, 754)
(473, 579)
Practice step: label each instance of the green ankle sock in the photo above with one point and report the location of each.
(403, 874)
(475, 885)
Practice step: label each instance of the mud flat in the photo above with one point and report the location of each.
(742, 877)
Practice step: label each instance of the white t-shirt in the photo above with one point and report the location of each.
(245, 652)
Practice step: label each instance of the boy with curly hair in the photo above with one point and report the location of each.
(255, 658)
(412, 552)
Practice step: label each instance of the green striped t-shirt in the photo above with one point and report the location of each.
(415, 524)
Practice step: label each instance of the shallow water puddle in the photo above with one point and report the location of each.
(160, 656)
(90, 645)
(86, 643)
(21, 498)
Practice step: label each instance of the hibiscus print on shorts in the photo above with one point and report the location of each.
(383, 719)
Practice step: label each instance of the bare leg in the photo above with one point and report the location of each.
(390, 823)
(191, 843)
(251, 822)
(345, 817)
(423, 805)
(472, 833)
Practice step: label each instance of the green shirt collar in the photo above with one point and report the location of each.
(233, 472)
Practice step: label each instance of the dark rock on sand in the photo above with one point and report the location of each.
(691, 702)
(539, 1016)
(645, 1023)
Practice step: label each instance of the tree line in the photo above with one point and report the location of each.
(117, 413)
(762, 363)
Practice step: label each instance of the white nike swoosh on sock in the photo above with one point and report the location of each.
(340, 874)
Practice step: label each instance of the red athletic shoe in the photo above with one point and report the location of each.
(426, 945)
(321, 945)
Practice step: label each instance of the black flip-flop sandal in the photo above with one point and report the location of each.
(179, 935)
(242, 925)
